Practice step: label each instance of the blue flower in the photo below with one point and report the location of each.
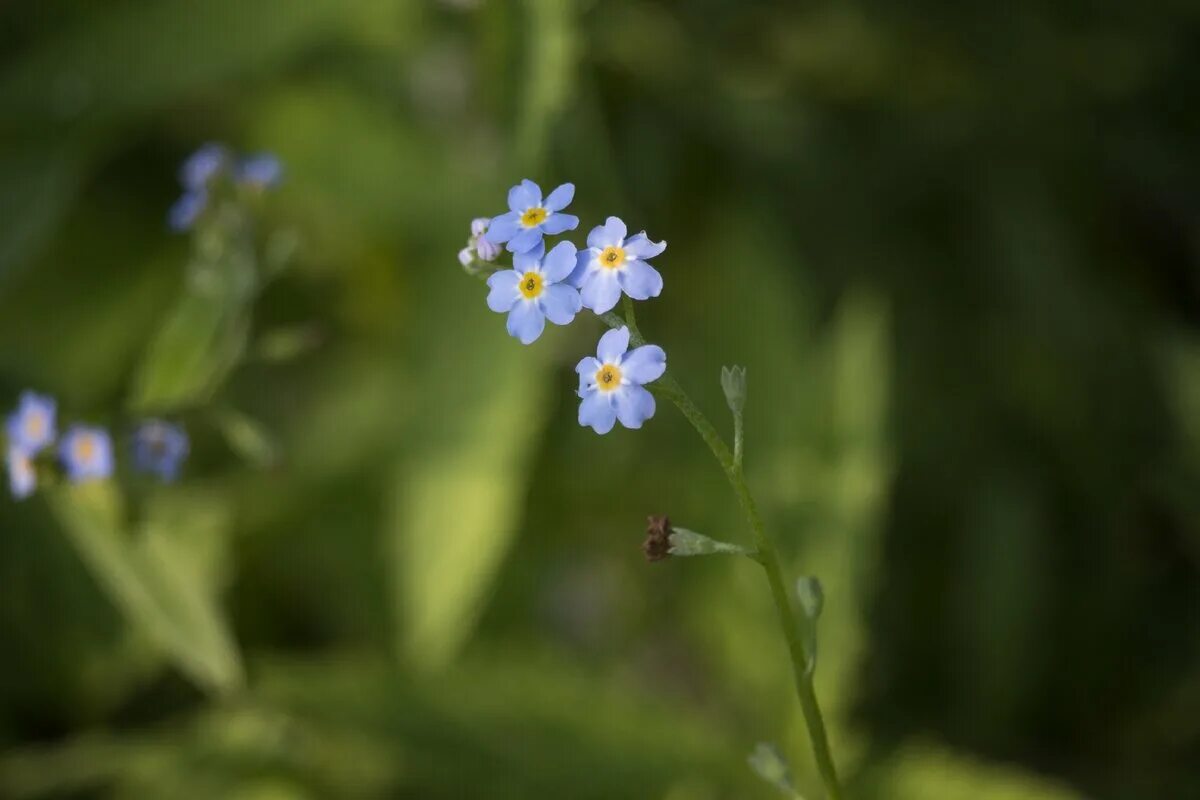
(22, 478)
(611, 384)
(612, 264)
(530, 217)
(160, 448)
(31, 427)
(261, 171)
(202, 166)
(187, 209)
(535, 290)
(86, 453)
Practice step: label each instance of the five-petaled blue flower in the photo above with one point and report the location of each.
(260, 171)
(160, 448)
(611, 384)
(31, 427)
(534, 290)
(187, 209)
(203, 165)
(612, 264)
(22, 479)
(530, 217)
(86, 453)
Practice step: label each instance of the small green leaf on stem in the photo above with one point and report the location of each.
(812, 602)
(769, 765)
(733, 381)
(662, 540)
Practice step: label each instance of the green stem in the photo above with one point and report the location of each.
(767, 555)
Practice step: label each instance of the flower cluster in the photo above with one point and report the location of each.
(557, 283)
(83, 453)
(205, 169)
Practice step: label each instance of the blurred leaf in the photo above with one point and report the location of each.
(247, 437)
(192, 353)
(769, 765)
(157, 581)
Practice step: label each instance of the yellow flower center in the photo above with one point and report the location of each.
(612, 257)
(35, 425)
(85, 449)
(534, 216)
(531, 285)
(608, 377)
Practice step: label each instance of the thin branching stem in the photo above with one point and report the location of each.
(766, 555)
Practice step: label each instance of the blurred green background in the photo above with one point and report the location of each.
(956, 245)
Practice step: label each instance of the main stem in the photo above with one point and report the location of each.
(767, 556)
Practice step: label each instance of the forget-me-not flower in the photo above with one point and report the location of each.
(86, 453)
(611, 384)
(261, 171)
(22, 479)
(612, 264)
(203, 165)
(477, 245)
(187, 209)
(535, 290)
(31, 427)
(530, 217)
(160, 448)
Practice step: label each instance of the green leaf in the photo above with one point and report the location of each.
(192, 353)
(247, 437)
(161, 582)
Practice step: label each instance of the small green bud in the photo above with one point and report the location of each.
(733, 381)
(769, 765)
(690, 543)
(812, 596)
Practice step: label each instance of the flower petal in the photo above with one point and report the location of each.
(525, 194)
(640, 280)
(557, 223)
(597, 413)
(560, 303)
(525, 241)
(560, 198)
(601, 291)
(640, 246)
(613, 345)
(635, 405)
(610, 233)
(530, 260)
(644, 364)
(559, 262)
(584, 260)
(503, 228)
(525, 322)
(587, 369)
(504, 291)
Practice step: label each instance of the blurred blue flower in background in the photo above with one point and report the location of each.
(534, 290)
(160, 448)
(612, 264)
(202, 166)
(530, 217)
(611, 384)
(31, 427)
(22, 479)
(86, 453)
(260, 171)
(187, 209)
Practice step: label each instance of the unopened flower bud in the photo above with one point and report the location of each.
(733, 381)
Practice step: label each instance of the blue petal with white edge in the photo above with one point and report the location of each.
(525, 194)
(504, 292)
(635, 405)
(597, 412)
(644, 364)
(560, 303)
(640, 280)
(526, 322)
(560, 198)
(613, 345)
(601, 290)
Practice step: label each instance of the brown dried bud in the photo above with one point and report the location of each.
(658, 538)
